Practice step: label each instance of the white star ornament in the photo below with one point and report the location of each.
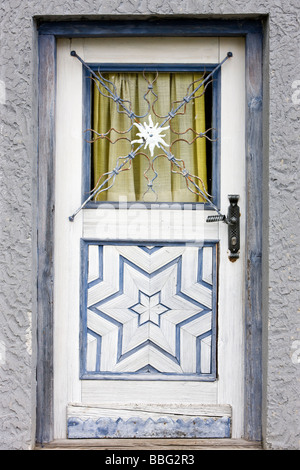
(150, 135)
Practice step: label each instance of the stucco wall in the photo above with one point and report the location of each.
(18, 144)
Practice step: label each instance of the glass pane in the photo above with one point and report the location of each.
(150, 120)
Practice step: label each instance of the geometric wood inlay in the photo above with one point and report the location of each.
(148, 312)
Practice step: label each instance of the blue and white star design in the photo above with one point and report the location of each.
(149, 308)
(149, 311)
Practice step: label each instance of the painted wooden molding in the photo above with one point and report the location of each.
(156, 421)
(149, 312)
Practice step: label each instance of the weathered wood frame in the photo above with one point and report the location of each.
(252, 30)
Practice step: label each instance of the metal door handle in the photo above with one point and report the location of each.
(233, 221)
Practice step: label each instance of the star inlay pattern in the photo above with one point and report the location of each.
(149, 312)
(149, 308)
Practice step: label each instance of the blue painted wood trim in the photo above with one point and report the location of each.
(86, 124)
(254, 227)
(45, 236)
(216, 146)
(151, 27)
(131, 67)
(83, 304)
(163, 427)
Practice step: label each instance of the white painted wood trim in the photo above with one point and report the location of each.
(67, 236)
(231, 275)
(149, 50)
(151, 410)
(118, 391)
(143, 224)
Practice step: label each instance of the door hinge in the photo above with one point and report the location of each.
(233, 221)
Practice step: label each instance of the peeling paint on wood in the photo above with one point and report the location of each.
(149, 421)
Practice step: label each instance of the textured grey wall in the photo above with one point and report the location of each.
(18, 144)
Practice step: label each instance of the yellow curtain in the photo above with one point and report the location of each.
(132, 184)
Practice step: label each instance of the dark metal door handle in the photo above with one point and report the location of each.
(233, 222)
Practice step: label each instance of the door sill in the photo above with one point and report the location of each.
(150, 444)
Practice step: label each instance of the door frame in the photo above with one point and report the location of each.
(48, 32)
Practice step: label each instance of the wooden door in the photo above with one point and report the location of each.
(148, 307)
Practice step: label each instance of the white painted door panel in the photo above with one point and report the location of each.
(178, 233)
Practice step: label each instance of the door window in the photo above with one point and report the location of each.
(136, 127)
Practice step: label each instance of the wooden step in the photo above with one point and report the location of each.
(150, 444)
